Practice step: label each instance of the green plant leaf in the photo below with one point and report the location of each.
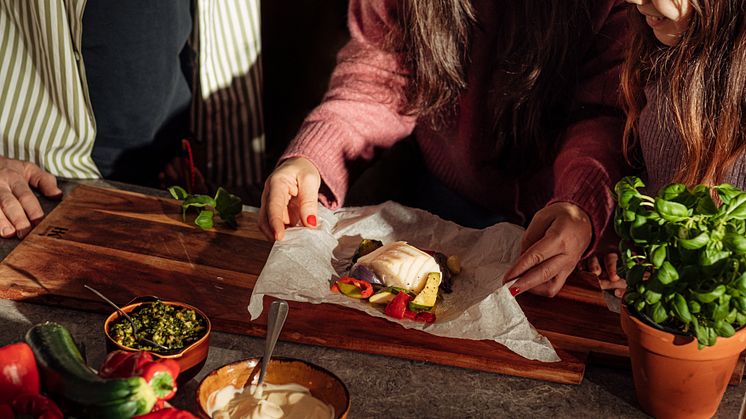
(681, 309)
(178, 192)
(204, 220)
(724, 329)
(671, 211)
(696, 242)
(198, 201)
(708, 297)
(726, 192)
(658, 255)
(694, 307)
(735, 242)
(667, 273)
(652, 297)
(672, 191)
(736, 208)
(659, 314)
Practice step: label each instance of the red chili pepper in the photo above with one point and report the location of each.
(36, 406)
(397, 308)
(18, 372)
(123, 364)
(169, 413)
(161, 375)
(425, 317)
(362, 289)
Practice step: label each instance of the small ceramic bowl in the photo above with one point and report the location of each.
(190, 359)
(323, 385)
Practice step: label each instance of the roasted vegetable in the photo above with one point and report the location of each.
(64, 373)
(425, 300)
(445, 282)
(366, 246)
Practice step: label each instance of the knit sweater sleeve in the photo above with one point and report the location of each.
(590, 160)
(360, 111)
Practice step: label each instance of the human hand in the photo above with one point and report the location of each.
(552, 245)
(290, 197)
(606, 273)
(19, 208)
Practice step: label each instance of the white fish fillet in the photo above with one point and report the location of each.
(401, 265)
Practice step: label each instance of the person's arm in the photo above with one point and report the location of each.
(588, 163)
(360, 112)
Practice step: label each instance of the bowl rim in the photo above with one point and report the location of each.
(134, 304)
(258, 359)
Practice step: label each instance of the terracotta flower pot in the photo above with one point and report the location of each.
(674, 379)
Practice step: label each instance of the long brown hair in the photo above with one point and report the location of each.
(537, 57)
(703, 82)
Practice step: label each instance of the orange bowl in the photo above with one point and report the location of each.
(323, 384)
(190, 359)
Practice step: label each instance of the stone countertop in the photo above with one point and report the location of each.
(381, 386)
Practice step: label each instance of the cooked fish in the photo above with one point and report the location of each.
(400, 265)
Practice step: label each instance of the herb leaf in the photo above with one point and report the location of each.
(225, 204)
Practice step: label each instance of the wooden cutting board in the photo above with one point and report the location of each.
(127, 244)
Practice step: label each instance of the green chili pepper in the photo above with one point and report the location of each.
(708, 297)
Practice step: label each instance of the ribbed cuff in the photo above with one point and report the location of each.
(588, 188)
(323, 144)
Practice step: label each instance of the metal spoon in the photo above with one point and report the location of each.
(278, 312)
(126, 316)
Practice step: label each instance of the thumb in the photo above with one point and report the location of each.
(308, 198)
(45, 182)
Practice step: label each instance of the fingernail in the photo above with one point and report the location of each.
(514, 291)
(7, 231)
(311, 220)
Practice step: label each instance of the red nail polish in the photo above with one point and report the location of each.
(311, 220)
(514, 291)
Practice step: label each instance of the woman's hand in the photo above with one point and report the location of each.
(290, 197)
(19, 208)
(552, 246)
(608, 279)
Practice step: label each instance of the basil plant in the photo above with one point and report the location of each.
(684, 257)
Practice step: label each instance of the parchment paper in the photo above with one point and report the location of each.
(302, 266)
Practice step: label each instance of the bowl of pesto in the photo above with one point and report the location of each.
(182, 329)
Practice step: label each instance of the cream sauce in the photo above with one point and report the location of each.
(286, 401)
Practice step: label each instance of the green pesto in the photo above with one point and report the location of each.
(171, 326)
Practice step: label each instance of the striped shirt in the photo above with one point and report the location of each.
(46, 115)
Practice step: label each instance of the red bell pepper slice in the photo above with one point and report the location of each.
(36, 406)
(352, 287)
(18, 372)
(397, 308)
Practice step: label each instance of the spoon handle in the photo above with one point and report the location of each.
(278, 312)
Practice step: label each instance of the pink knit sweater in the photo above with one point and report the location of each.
(359, 114)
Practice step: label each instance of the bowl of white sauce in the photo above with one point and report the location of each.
(292, 389)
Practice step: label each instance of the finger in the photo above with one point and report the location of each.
(28, 201)
(14, 211)
(594, 266)
(277, 207)
(6, 228)
(308, 199)
(540, 274)
(534, 256)
(607, 284)
(552, 287)
(263, 220)
(619, 292)
(45, 182)
(610, 261)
